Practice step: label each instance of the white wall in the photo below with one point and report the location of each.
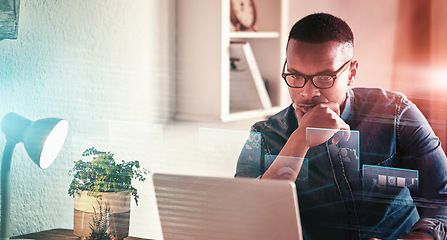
(108, 67)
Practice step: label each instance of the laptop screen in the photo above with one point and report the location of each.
(196, 207)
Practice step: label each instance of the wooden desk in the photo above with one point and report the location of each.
(59, 234)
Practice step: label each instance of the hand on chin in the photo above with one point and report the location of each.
(303, 108)
(325, 116)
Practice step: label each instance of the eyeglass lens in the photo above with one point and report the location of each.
(320, 81)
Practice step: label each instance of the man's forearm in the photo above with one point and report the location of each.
(288, 163)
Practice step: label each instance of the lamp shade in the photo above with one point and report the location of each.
(43, 139)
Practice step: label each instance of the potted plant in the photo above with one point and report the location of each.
(103, 179)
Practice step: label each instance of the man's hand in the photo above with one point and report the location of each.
(325, 116)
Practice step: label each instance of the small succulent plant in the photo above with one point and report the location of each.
(101, 223)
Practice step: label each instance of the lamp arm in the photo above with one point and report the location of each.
(5, 188)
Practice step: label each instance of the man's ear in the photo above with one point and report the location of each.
(353, 72)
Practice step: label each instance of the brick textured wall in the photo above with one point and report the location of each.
(99, 64)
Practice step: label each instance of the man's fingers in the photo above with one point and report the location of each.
(341, 135)
(299, 114)
(333, 106)
(344, 134)
(347, 134)
(337, 137)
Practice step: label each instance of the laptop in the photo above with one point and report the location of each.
(214, 208)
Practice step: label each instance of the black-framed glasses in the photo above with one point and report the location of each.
(322, 81)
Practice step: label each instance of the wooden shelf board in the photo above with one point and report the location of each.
(254, 34)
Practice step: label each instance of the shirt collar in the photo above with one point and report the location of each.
(348, 106)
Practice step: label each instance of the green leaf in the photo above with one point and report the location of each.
(103, 174)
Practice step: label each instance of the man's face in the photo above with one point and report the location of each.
(319, 58)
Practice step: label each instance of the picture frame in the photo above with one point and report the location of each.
(9, 19)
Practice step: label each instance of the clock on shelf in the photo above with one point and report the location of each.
(243, 14)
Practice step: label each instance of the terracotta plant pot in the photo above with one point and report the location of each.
(85, 206)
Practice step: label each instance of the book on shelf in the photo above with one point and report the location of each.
(248, 89)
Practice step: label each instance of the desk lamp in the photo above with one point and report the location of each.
(42, 139)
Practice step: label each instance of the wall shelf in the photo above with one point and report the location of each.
(254, 35)
(203, 63)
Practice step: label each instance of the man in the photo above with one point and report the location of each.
(312, 142)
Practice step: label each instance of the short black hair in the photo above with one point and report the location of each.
(321, 28)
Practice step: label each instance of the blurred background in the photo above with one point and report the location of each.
(110, 67)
